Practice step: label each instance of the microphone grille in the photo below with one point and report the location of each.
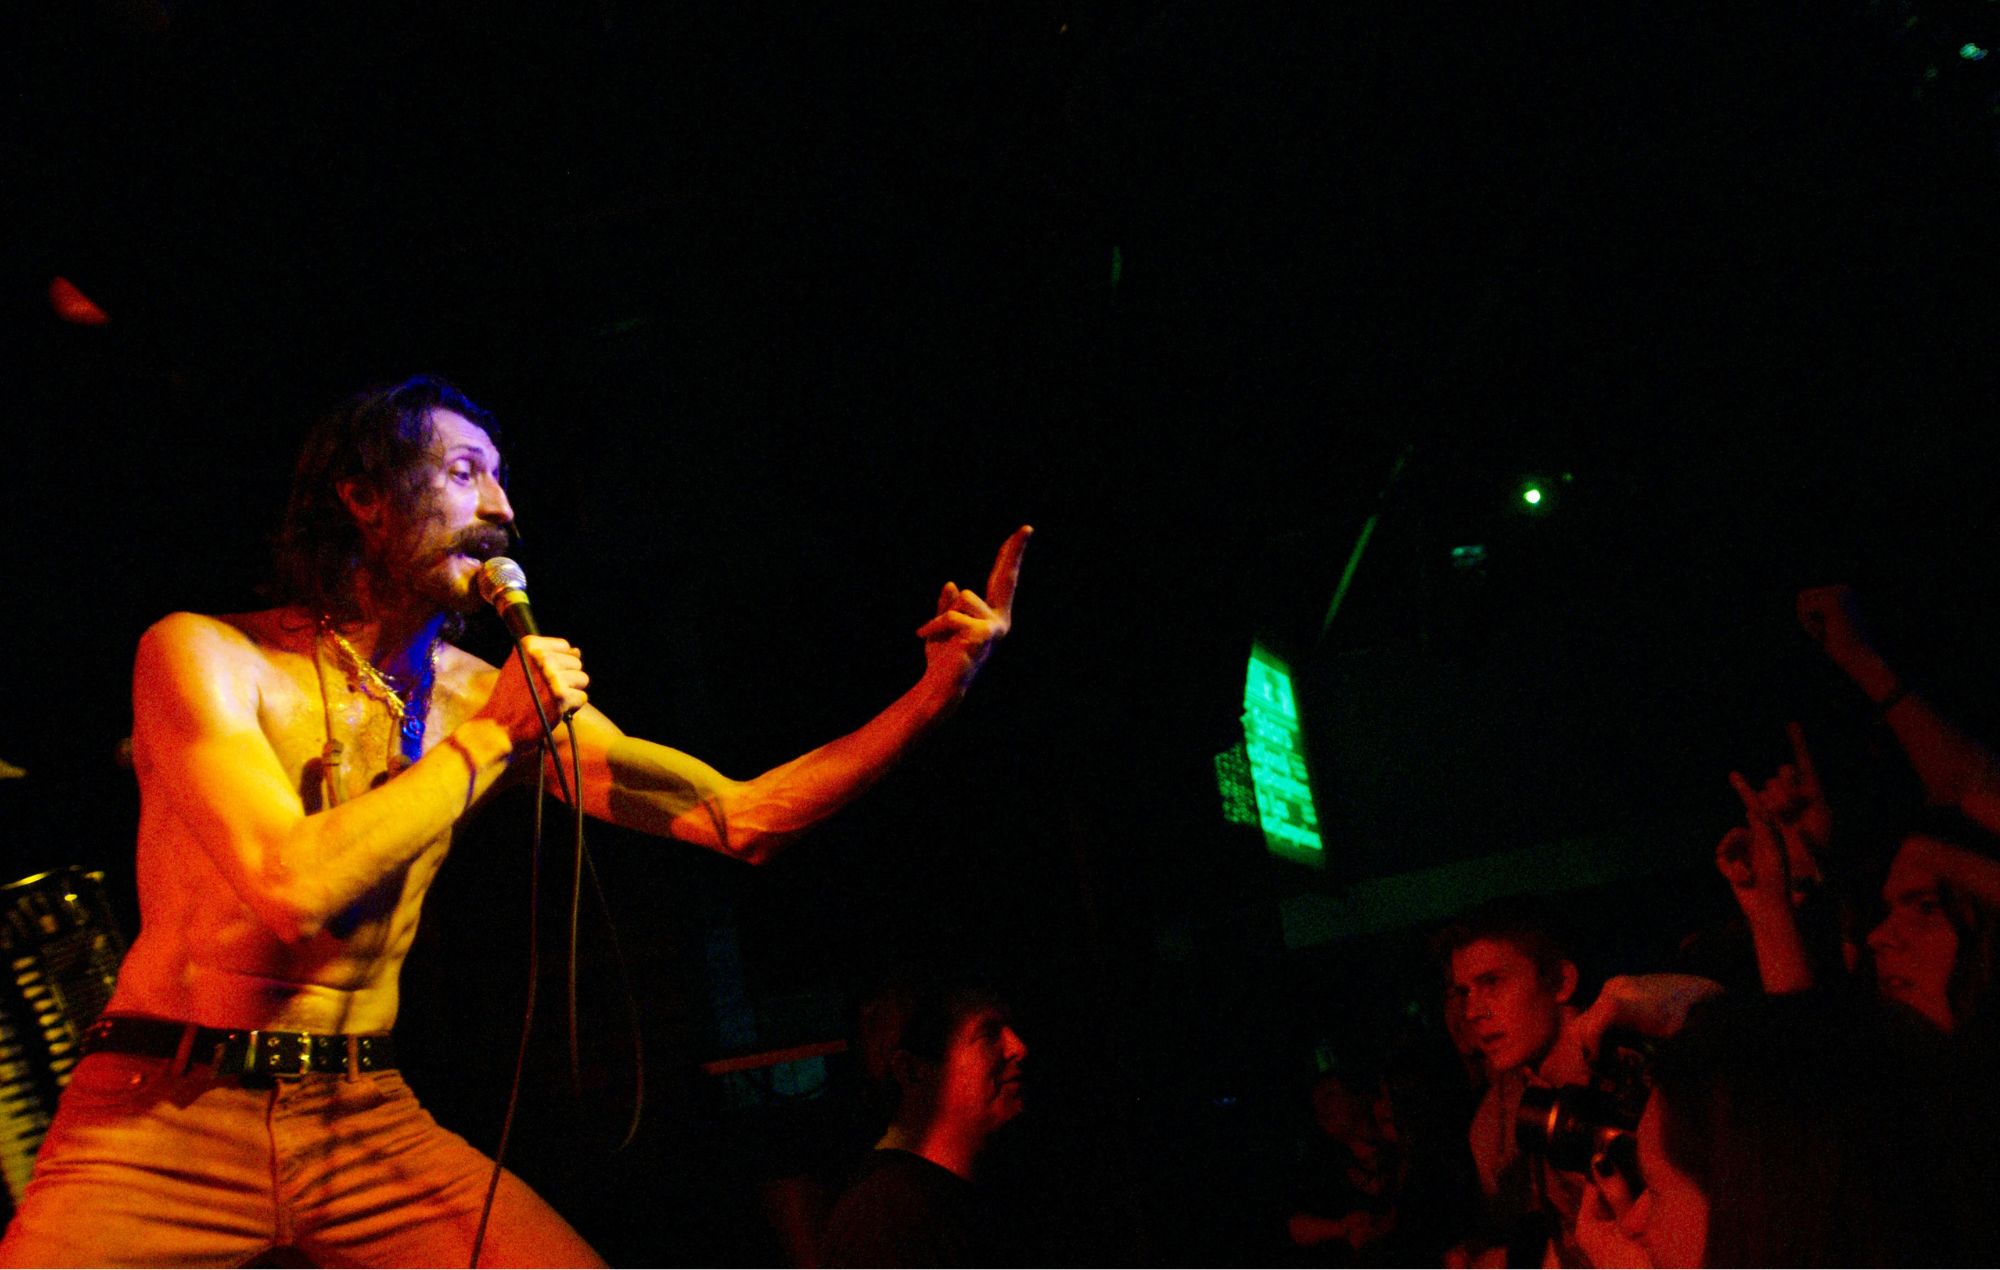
(500, 574)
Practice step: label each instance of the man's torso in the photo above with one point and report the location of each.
(1519, 1184)
(202, 954)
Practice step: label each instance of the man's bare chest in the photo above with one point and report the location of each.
(339, 737)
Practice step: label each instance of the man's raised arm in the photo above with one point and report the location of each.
(650, 787)
(203, 759)
(1956, 768)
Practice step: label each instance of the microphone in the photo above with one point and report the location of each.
(505, 587)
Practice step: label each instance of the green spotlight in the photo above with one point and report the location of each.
(1532, 496)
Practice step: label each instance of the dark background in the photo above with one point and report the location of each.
(790, 314)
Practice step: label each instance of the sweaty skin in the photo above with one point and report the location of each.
(226, 745)
(263, 908)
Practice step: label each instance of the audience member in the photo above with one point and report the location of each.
(1353, 1172)
(1518, 984)
(1785, 1130)
(956, 1067)
(1933, 950)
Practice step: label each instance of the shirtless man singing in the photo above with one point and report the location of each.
(301, 770)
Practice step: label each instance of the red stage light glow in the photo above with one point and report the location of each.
(73, 306)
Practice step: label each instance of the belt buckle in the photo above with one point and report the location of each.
(275, 1054)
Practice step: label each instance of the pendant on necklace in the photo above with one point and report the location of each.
(408, 709)
(409, 734)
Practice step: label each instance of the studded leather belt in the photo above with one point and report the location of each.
(242, 1052)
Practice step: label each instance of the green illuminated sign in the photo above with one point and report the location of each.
(1278, 761)
(1232, 780)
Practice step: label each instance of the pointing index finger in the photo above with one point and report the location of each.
(1007, 571)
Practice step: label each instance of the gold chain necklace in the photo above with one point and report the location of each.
(410, 710)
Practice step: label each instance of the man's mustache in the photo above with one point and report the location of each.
(482, 542)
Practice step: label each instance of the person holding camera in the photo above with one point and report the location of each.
(1795, 1129)
(1518, 985)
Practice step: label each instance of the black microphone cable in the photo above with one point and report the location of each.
(631, 1001)
(571, 785)
(548, 746)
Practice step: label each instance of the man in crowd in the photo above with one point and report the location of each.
(956, 1068)
(1518, 985)
(301, 770)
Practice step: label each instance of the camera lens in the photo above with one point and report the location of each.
(1569, 1124)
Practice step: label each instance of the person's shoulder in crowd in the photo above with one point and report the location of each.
(903, 1210)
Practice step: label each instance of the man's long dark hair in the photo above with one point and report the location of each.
(379, 437)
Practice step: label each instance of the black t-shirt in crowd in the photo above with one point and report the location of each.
(903, 1210)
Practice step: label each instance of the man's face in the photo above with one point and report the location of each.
(1916, 945)
(1511, 1014)
(979, 1082)
(433, 547)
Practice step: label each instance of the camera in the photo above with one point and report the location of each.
(1571, 1124)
